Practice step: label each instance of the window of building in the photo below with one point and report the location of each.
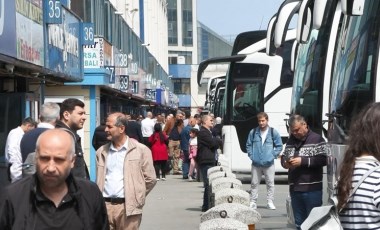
(181, 86)
(172, 23)
(187, 22)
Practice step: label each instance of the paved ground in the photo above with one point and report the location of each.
(176, 204)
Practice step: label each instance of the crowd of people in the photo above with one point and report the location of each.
(49, 174)
(132, 154)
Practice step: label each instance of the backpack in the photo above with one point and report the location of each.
(29, 165)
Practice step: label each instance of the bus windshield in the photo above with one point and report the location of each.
(355, 65)
(247, 90)
(305, 92)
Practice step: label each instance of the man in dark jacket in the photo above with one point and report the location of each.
(134, 129)
(100, 136)
(207, 155)
(73, 116)
(304, 156)
(52, 198)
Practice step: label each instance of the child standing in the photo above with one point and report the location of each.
(193, 147)
(158, 142)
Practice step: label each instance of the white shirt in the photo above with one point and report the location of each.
(263, 135)
(147, 127)
(45, 125)
(13, 153)
(114, 180)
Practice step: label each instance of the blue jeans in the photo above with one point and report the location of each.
(204, 168)
(303, 203)
(185, 164)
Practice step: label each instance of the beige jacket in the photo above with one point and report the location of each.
(139, 174)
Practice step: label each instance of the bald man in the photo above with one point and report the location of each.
(52, 198)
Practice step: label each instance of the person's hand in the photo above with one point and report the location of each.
(286, 165)
(294, 162)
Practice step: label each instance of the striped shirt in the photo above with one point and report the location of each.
(363, 209)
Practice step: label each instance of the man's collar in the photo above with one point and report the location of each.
(125, 145)
(72, 187)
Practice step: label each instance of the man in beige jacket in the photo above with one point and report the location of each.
(124, 174)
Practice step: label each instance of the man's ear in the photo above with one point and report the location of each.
(66, 115)
(73, 161)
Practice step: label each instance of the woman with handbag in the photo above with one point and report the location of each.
(360, 208)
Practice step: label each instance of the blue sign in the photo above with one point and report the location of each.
(66, 3)
(64, 48)
(52, 12)
(8, 28)
(87, 33)
(112, 71)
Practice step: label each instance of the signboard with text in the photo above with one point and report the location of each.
(7, 28)
(64, 46)
(29, 31)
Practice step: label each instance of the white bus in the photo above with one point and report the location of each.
(255, 82)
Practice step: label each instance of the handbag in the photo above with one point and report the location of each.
(327, 216)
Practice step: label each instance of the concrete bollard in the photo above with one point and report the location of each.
(217, 169)
(217, 175)
(239, 212)
(220, 223)
(222, 183)
(223, 162)
(231, 195)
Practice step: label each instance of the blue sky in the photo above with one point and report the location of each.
(231, 17)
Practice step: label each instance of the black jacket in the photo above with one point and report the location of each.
(80, 167)
(309, 175)
(100, 137)
(207, 146)
(17, 204)
(133, 130)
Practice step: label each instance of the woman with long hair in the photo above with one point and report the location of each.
(158, 142)
(362, 209)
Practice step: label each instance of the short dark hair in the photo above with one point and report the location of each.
(194, 130)
(30, 121)
(69, 105)
(262, 114)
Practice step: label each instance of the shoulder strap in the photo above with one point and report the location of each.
(271, 131)
(358, 184)
(362, 179)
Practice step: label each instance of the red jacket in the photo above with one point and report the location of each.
(159, 149)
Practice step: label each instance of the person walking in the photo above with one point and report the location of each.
(175, 146)
(263, 146)
(100, 137)
(207, 155)
(125, 174)
(73, 116)
(49, 116)
(193, 148)
(360, 211)
(304, 156)
(158, 142)
(53, 198)
(147, 128)
(12, 148)
(134, 129)
(184, 144)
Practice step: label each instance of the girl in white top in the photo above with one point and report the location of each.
(193, 147)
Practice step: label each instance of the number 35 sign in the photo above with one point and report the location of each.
(53, 11)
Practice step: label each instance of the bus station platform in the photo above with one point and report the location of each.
(176, 204)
